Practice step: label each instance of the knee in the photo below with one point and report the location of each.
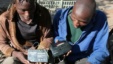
(8, 60)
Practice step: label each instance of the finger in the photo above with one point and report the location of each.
(22, 59)
(68, 53)
(40, 63)
(32, 63)
(64, 56)
(36, 63)
(58, 44)
(56, 41)
(25, 53)
(46, 32)
(47, 49)
(45, 63)
(27, 62)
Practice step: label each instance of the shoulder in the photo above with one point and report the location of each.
(59, 13)
(100, 14)
(62, 12)
(100, 19)
(4, 16)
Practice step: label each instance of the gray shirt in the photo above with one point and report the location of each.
(27, 31)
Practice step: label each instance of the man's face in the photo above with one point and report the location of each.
(25, 10)
(80, 17)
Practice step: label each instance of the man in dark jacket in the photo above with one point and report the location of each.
(25, 24)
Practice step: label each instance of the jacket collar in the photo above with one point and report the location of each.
(65, 13)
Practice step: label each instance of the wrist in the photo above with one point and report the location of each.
(41, 47)
(13, 52)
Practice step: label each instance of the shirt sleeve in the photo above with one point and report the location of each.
(100, 51)
(56, 22)
(4, 46)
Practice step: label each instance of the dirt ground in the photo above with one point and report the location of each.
(107, 7)
(110, 18)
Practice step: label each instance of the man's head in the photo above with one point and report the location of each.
(82, 12)
(25, 9)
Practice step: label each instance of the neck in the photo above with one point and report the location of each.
(25, 21)
(28, 22)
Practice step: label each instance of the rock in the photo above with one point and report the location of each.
(106, 2)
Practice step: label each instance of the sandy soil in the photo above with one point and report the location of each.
(107, 7)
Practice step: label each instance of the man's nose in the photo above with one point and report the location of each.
(76, 23)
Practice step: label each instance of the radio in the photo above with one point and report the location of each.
(60, 49)
(39, 55)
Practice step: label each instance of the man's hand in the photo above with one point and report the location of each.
(59, 43)
(20, 56)
(68, 53)
(46, 42)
